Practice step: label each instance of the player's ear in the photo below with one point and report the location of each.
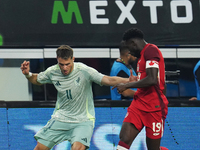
(127, 53)
(73, 58)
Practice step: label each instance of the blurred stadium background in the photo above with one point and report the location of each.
(32, 30)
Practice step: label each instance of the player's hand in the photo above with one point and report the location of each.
(132, 78)
(25, 67)
(120, 87)
(193, 99)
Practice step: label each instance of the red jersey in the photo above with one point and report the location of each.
(151, 98)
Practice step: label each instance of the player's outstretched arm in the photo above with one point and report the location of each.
(32, 77)
(149, 80)
(111, 81)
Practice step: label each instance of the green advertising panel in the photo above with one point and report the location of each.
(1, 40)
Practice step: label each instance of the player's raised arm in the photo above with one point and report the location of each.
(32, 77)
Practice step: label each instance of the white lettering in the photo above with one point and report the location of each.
(97, 14)
(125, 12)
(153, 11)
(174, 12)
(94, 12)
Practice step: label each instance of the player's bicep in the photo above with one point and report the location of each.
(152, 74)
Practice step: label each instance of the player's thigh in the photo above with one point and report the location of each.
(53, 133)
(153, 144)
(82, 133)
(154, 123)
(128, 133)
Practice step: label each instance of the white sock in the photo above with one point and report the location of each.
(121, 148)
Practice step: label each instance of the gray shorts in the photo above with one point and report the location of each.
(55, 132)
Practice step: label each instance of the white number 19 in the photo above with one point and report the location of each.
(156, 126)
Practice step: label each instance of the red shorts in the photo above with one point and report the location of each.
(153, 122)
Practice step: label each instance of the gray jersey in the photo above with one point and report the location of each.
(74, 97)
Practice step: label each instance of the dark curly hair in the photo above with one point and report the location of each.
(133, 33)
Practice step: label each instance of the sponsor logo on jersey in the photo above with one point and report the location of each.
(57, 83)
(156, 134)
(84, 139)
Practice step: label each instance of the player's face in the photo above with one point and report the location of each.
(133, 47)
(66, 65)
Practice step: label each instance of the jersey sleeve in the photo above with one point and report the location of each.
(94, 75)
(44, 77)
(151, 53)
(152, 57)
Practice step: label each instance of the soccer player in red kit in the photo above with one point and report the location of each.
(149, 106)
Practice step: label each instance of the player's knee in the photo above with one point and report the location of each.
(40, 146)
(125, 139)
(153, 144)
(78, 146)
(122, 146)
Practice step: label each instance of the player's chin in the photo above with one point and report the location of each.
(65, 73)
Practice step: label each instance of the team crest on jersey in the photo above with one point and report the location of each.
(77, 81)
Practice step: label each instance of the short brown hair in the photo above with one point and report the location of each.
(64, 52)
